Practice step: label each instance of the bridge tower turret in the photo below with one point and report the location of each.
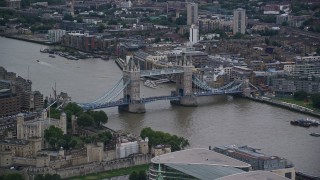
(131, 72)
(184, 82)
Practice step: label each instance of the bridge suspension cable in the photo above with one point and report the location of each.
(108, 92)
(110, 95)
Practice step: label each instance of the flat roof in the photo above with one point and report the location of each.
(199, 156)
(205, 172)
(254, 175)
(14, 141)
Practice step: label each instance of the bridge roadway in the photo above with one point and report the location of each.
(156, 72)
(121, 102)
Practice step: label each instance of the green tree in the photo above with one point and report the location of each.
(74, 108)
(39, 177)
(54, 113)
(68, 17)
(79, 19)
(105, 137)
(101, 28)
(300, 95)
(53, 135)
(267, 41)
(316, 100)
(142, 175)
(47, 177)
(238, 36)
(157, 40)
(14, 176)
(159, 137)
(318, 51)
(99, 117)
(85, 120)
(134, 176)
(181, 20)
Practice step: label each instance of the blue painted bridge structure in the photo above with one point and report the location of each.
(129, 86)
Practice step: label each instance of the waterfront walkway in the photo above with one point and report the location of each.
(290, 106)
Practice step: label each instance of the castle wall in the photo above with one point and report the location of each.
(94, 167)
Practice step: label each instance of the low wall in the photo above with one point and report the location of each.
(95, 167)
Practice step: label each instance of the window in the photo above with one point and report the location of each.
(288, 175)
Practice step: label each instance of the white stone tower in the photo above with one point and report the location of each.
(20, 124)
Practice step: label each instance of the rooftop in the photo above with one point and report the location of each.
(205, 172)
(14, 141)
(246, 150)
(199, 156)
(254, 175)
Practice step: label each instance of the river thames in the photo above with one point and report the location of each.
(216, 121)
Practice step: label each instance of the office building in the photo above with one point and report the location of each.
(55, 35)
(192, 14)
(239, 21)
(194, 34)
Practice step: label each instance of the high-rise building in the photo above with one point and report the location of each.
(192, 14)
(194, 34)
(239, 21)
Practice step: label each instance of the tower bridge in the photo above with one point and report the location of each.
(129, 86)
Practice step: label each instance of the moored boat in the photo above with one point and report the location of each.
(315, 134)
(305, 122)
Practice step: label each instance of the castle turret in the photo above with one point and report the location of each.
(63, 122)
(44, 114)
(20, 124)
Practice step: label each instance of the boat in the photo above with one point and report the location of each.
(51, 55)
(104, 57)
(38, 60)
(315, 134)
(305, 122)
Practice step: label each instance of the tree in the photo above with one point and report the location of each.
(316, 100)
(181, 20)
(99, 117)
(159, 137)
(101, 28)
(68, 17)
(74, 108)
(53, 135)
(267, 41)
(47, 177)
(85, 120)
(13, 176)
(300, 95)
(134, 176)
(318, 51)
(157, 40)
(238, 35)
(142, 175)
(105, 137)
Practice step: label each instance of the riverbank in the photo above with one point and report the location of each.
(29, 38)
(289, 106)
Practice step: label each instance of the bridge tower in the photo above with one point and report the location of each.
(246, 88)
(184, 83)
(131, 72)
